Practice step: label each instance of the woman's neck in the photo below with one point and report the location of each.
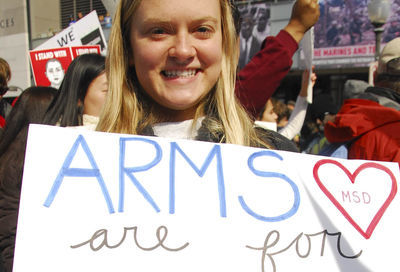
(170, 115)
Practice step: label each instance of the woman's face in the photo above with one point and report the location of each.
(269, 115)
(177, 52)
(96, 96)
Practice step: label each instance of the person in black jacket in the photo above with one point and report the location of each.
(29, 108)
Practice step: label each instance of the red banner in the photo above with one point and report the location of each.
(50, 65)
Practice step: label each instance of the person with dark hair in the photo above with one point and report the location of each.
(5, 76)
(78, 102)
(322, 110)
(277, 115)
(81, 95)
(369, 125)
(28, 109)
(283, 112)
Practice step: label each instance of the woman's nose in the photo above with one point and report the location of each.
(182, 48)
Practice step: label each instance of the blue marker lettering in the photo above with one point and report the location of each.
(295, 189)
(129, 170)
(215, 152)
(79, 172)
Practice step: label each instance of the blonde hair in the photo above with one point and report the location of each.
(127, 110)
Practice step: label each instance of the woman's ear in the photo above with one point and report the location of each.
(80, 107)
(80, 103)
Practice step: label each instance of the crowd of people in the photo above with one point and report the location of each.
(346, 23)
(180, 80)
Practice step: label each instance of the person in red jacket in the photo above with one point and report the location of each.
(370, 124)
(258, 80)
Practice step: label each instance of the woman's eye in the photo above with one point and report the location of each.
(157, 31)
(204, 32)
(203, 29)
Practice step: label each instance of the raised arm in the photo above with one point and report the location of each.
(305, 14)
(258, 80)
(296, 120)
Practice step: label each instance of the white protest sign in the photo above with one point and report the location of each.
(307, 44)
(86, 31)
(95, 201)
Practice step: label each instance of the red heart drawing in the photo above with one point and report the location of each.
(367, 234)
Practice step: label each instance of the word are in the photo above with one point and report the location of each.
(175, 150)
(272, 240)
(100, 236)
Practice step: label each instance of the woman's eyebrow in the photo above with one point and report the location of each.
(207, 18)
(159, 20)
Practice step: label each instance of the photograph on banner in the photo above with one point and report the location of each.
(86, 31)
(255, 27)
(50, 65)
(344, 34)
(153, 204)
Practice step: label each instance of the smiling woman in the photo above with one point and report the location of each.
(177, 61)
(171, 67)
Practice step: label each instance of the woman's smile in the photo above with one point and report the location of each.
(176, 74)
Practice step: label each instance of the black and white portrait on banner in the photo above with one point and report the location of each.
(255, 28)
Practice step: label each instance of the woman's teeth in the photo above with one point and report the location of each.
(180, 73)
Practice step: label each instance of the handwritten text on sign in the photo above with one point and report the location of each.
(104, 199)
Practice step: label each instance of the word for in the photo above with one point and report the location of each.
(67, 38)
(50, 55)
(101, 236)
(272, 240)
(356, 197)
(129, 171)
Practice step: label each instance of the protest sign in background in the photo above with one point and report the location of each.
(94, 201)
(50, 65)
(86, 31)
(85, 49)
(60, 59)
